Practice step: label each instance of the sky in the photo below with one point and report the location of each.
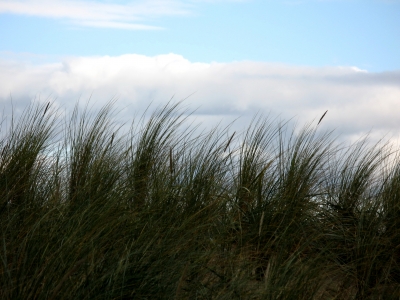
(227, 58)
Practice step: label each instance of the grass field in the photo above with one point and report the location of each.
(166, 212)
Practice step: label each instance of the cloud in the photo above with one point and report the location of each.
(358, 101)
(117, 25)
(91, 13)
(99, 14)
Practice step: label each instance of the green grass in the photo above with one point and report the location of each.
(165, 212)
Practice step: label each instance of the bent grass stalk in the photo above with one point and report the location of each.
(160, 212)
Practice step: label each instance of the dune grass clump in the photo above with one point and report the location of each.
(166, 212)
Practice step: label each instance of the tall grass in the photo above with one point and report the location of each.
(165, 212)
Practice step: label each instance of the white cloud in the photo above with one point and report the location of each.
(131, 15)
(117, 25)
(98, 14)
(358, 101)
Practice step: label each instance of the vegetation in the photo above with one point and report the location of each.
(165, 212)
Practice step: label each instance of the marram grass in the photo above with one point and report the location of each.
(162, 212)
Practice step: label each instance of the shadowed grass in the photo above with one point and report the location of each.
(163, 212)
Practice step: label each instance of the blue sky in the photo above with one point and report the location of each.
(294, 58)
(365, 34)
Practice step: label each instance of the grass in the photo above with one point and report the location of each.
(165, 212)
